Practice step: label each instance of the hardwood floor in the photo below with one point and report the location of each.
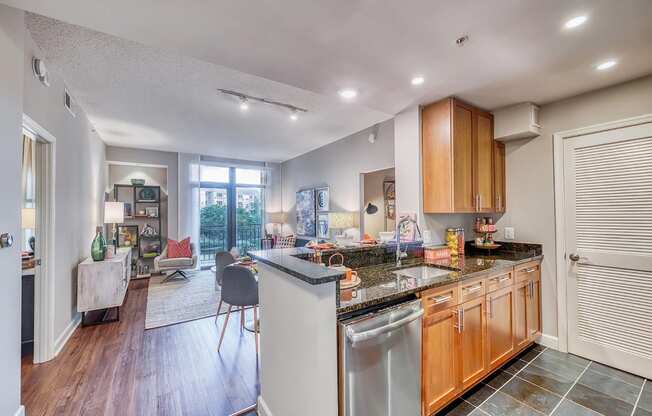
(121, 369)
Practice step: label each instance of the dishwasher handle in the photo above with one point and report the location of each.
(356, 337)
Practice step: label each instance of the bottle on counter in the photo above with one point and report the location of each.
(460, 240)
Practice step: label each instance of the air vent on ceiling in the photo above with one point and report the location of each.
(68, 102)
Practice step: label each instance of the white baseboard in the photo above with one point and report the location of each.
(20, 411)
(263, 409)
(66, 334)
(549, 341)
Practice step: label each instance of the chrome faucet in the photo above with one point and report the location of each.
(400, 254)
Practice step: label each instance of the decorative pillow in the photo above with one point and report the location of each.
(179, 249)
(286, 242)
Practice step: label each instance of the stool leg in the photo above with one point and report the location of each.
(226, 321)
(256, 335)
(242, 318)
(219, 307)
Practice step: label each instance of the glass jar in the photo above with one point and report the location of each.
(451, 241)
(98, 246)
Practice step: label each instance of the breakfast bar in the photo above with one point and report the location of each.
(302, 368)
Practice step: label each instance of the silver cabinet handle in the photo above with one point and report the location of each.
(502, 279)
(490, 311)
(460, 320)
(440, 299)
(530, 270)
(462, 310)
(473, 289)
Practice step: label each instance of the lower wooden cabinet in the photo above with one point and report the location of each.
(441, 358)
(500, 326)
(473, 339)
(472, 329)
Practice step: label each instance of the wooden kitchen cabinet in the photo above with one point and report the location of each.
(521, 331)
(457, 144)
(500, 326)
(534, 309)
(500, 192)
(473, 337)
(440, 363)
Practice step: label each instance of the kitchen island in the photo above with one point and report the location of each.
(301, 305)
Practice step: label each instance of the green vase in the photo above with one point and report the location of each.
(98, 247)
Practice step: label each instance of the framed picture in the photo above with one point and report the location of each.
(322, 199)
(151, 212)
(128, 236)
(389, 196)
(306, 221)
(322, 226)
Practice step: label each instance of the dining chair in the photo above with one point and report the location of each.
(239, 289)
(222, 259)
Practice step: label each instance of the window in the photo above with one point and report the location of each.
(214, 174)
(231, 202)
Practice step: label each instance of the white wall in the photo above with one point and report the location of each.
(79, 183)
(155, 158)
(339, 166)
(11, 104)
(529, 165)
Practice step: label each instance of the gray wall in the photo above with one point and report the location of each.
(339, 166)
(374, 193)
(11, 103)
(530, 186)
(154, 157)
(79, 183)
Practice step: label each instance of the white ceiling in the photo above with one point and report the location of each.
(304, 51)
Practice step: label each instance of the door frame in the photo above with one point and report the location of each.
(44, 337)
(560, 223)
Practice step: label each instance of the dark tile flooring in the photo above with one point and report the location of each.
(542, 381)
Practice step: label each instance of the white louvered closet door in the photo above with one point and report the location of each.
(608, 209)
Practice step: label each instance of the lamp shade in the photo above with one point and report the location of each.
(341, 219)
(276, 217)
(114, 212)
(28, 218)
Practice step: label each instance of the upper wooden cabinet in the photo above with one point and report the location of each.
(500, 201)
(458, 158)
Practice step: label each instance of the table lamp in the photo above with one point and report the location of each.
(114, 214)
(276, 220)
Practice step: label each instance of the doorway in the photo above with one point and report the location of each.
(378, 201)
(604, 235)
(37, 242)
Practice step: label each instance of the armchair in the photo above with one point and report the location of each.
(177, 266)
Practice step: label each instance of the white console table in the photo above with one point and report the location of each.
(102, 285)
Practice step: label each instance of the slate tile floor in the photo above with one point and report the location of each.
(542, 381)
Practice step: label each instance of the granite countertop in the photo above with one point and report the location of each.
(380, 284)
(287, 261)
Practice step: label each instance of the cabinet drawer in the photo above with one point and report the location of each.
(499, 281)
(441, 298)
(472, 289)
(527, 271)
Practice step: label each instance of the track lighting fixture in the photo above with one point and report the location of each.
(245, 99)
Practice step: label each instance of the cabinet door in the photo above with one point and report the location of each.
(436, 162)
(499, 177)
(440, 361)
(473, 337)
(534, 309)
(483, 162)
(463, 195)
(521, 308)
(500, 326)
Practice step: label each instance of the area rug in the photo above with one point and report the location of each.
(181, 300)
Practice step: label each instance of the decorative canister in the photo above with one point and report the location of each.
(436, 252)
(451, 240)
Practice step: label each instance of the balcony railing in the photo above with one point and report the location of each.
(213, 238)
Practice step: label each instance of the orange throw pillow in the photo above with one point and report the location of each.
(179, 249)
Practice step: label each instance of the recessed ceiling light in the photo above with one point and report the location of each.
(244, 105)
(606, 65)
(294, 116)
(418, 80)
(348, 93)
(575, 22)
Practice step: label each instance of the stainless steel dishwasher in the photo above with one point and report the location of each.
(380, 362)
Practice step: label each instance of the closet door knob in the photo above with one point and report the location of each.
(6, 240)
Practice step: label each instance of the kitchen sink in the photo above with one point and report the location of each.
(421, 272)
